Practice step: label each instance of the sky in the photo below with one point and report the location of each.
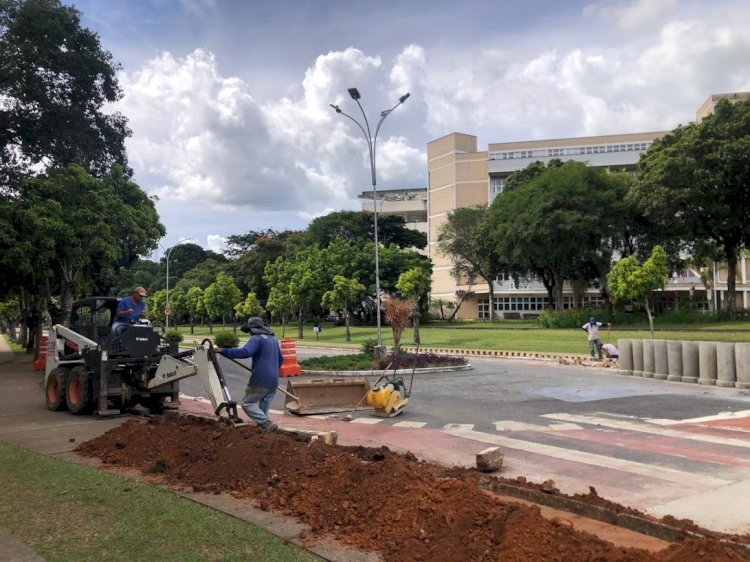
(229, 100)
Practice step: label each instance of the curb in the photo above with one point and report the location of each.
(495, 353)
(377, 372)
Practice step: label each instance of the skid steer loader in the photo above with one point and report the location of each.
(91, 370)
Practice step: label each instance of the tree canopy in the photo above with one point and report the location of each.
(695, 184)
(56, 79)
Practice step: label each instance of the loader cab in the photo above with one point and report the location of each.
(92, 317)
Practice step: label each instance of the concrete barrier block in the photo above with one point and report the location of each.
(661, 360)
(742, 364)
(726, 373)
(490, 459)
(637, 357)
(674, 360)
(649, 364)
(707, 362)
(625, 347)
(690, 361)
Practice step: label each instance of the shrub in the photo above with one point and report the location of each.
(412, 360)
(368, 347)
(173, 336)
(226, 339)
(569, 318)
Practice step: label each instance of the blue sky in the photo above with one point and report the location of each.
(228, 99)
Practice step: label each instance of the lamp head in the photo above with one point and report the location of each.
(403, 98)
(354, 93)
(336, 107)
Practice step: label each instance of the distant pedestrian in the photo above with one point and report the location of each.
(610, 351)
(592, 328)
(264, 348)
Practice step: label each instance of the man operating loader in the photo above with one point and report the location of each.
(264, 349)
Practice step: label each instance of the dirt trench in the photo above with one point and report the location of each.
(373, 499)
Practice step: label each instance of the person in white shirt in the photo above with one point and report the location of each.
(610, 351)
(592, 328)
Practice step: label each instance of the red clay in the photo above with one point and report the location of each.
(374, 499)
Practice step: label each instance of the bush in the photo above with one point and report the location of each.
(412, 360)
(173, 336)
(226, 339)
(570, 318)
(368, 347)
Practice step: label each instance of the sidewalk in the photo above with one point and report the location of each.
(6, 353)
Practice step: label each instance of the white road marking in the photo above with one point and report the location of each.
(279, 412)
(367, 421)
(655, 472)
(717, 417)
(458, 427)
(510, 425)
(646, 428)
(410, 424)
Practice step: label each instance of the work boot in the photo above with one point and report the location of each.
(270, 427)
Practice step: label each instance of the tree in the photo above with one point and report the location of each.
(202, 275)
(631, 281)
(155, 305)
(56, 79)
(342, 295)
(239, 244)
(465, 238)
(221, 297)
(398, 313)
(178, 305)
(525, 175)
(358, 226)
(92, 225)
(695, 182)
(414, 286)
(249, 307)
(557, 227)
(195, 306)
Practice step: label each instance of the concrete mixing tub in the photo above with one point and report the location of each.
(690, 361)
(742, 362)
(707, 361)
(661, 365)
(674, 360)
(649, 365)
(637, 346)
(726, 374)
(625, 347)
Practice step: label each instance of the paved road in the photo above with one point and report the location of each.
(664, 447)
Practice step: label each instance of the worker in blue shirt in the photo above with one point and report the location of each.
(265, 351)
(129, 311)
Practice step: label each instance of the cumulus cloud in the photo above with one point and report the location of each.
(215, 243)
(631, 15)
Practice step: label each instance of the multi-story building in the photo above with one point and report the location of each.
(459, 175)
(410, 203)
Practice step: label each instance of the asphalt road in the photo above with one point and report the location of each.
(499, 390)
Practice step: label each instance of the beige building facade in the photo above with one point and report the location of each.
(461, 175)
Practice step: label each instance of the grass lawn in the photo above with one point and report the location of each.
(65, 511)
(17, 348)
(482, 336)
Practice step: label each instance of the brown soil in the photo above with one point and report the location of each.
(373, 499)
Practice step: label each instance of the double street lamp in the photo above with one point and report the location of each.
(169, 252)
(371, 145)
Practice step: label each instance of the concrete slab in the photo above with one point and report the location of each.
(6, 353)
(712, 508)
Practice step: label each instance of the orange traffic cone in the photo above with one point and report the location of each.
(289, 367)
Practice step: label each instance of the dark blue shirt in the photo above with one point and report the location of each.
(267, 359)
(126, 303)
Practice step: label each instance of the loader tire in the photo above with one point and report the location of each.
(155, 403)
(54, 389)
(78, 391)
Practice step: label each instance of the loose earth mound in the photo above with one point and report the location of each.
(373, 499)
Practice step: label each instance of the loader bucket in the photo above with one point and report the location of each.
(324, 396)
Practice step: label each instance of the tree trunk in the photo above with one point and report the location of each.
(650, 316)
(210, 326)
(492, 308)
(192, 325)
(731, 284)
(579, 288)
(417, 339)
(223, 322)
(346, 323)
(300, 322)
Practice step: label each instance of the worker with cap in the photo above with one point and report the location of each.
(592, 328)
(129, 311)
(264, 349)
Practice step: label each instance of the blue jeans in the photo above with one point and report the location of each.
(256, 403)
(595, 345)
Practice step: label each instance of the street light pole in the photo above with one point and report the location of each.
(169, 252)
(371, 147)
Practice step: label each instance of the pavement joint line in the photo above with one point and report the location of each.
(645, 428)
(721, 416)
(633, 467)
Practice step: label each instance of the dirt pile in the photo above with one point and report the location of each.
(374, 499)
